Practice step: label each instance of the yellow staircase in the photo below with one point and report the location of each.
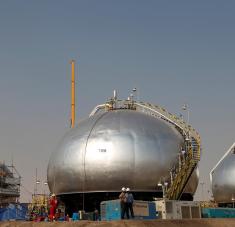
(190, 159)
(184, 171)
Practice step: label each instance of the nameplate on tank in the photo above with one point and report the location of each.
(102, 150)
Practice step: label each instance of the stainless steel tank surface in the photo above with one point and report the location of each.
(222, 178)
(114, 149)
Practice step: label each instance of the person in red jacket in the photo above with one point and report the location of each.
(53, 206)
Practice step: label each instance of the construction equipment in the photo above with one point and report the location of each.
(175, 209)
(39, 206)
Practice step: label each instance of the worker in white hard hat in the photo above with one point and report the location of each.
(129, 202)
(122, 198)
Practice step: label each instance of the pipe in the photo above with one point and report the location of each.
(72, 93)
(102, 106)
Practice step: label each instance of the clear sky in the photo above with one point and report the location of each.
(172, 51)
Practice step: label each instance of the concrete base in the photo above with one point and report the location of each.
(137, 223)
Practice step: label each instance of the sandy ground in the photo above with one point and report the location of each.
(155, 223)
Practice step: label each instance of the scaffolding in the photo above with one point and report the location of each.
(9, 184)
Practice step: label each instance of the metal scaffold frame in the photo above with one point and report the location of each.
(9, 184)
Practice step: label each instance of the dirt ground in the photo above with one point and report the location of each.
(137, 223)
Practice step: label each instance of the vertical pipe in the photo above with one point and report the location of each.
(72, 93)
(36, 186)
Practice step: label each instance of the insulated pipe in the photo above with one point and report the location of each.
(72, 93)
(102, 106)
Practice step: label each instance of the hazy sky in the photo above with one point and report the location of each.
(172, 51)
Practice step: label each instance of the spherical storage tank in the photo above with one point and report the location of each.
(222, 178)
(113, 149)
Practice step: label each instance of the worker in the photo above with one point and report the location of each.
(96, 215)
(129, 202)
(53, 206)
(123, 200)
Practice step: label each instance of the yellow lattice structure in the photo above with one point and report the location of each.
(39, 202)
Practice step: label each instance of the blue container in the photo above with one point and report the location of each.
(75, 217)
(14, 212)
(218, 212)
(111, 210)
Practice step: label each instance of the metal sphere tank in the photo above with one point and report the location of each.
(222, 178)
(114, 149)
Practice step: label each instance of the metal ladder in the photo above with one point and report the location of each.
(183, 173)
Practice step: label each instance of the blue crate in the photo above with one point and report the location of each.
(111, 210)
(218, 212)
(75, 217)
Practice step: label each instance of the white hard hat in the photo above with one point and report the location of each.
(53, 195)
(128, 189)
(123, 189)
